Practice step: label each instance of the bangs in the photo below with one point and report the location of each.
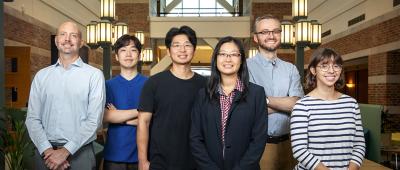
(328, 56)
(126, 42)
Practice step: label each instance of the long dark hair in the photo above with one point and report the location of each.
(321, 55)
(215, 78)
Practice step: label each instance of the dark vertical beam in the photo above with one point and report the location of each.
(300, 60)
(2, 79)
(240, 7)
(2, 58)
(106, 61)
(140, 66)
(158, 8)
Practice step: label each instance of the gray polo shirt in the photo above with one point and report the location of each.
(279, 79)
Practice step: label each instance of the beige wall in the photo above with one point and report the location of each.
(206, 27)
(54, 12)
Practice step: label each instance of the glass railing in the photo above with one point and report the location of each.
(199, 8)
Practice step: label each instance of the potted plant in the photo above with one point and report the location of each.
(14, 138)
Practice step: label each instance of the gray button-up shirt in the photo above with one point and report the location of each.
(279, 79)
(66, 106)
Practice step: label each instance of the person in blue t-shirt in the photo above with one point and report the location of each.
(123, 91)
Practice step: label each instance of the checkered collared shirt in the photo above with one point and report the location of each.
(226, 103)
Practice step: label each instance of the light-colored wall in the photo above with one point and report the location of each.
(54, 12)
(334, 15)
(206, 27)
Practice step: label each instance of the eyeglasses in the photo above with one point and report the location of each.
(226, 55)
(266, 32)
(186, 46)
(325, 67)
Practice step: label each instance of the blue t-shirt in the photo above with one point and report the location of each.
(121, 138)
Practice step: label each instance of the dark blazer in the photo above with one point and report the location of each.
(245, 132)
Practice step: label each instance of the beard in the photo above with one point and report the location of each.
(269, 48)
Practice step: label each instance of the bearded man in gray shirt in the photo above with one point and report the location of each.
(281, 82)
(66, 105)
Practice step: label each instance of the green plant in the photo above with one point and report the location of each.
(14, 138)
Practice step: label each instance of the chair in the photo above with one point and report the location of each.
(371, 120)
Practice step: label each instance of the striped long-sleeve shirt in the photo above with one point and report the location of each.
(327, 131)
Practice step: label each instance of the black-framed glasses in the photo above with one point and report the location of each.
(226, 55)
(325, 67)
(267, 32)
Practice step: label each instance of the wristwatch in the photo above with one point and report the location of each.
(267, 100)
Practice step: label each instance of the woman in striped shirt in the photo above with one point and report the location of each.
(325, 126)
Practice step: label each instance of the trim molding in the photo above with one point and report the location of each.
(371, 51)
(383, 79)
(34, 50)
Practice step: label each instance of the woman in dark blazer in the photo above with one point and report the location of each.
(229, 122)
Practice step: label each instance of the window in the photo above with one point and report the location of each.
(202, 8)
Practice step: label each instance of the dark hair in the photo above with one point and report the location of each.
(268, 16)
(321, 55)
(215, 78)
(124, 40)
(185, 30)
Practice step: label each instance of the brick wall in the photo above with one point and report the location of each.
(287, 57)
(393, 94)
(387, 94)
(377, 64)
(393, 63)
(38, 62)
(377, 94)
(18, 30)
(277, 9)
(135, 15)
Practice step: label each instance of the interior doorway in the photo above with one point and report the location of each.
(17, 76)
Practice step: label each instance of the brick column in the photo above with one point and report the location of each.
(376, 89)
(384, 80)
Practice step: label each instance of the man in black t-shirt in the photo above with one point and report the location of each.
(165, 105)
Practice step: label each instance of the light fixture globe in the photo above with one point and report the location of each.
(299, 9)
(119, 30)
(252, 52)
(303, 32)
(287, 34)
(107, 10)
(147, 56)
(140, 35)
(315, 34)
(104, 30)
(91, 35)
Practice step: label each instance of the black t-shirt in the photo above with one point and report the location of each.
(170, 101)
